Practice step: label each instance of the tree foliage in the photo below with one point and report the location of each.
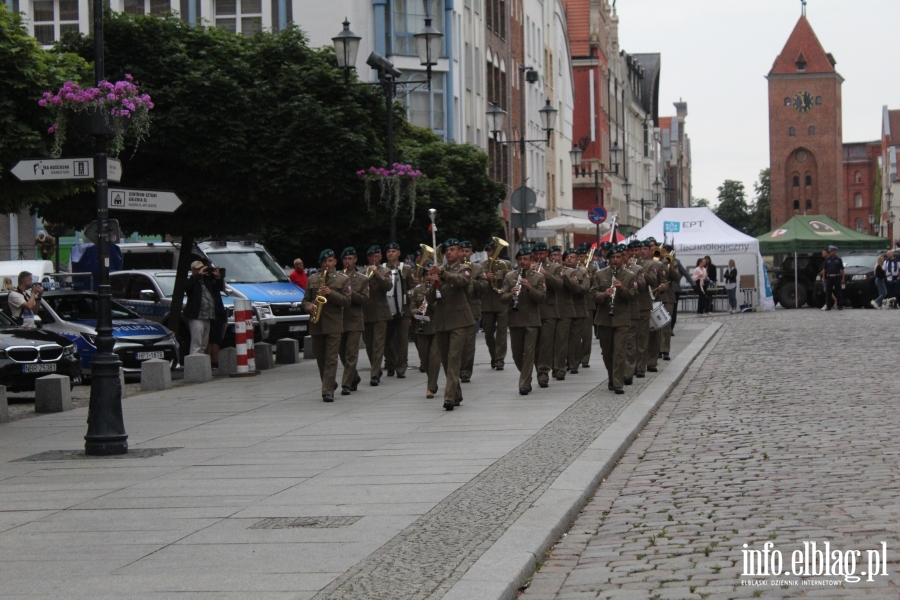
(761, 213)
(699, 202)
(732, 207)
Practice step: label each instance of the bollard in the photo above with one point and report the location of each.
(287, 351)
(307, 347)
(264, 358)
(241, 336)
(4, 406)
(251, 334)
(52, 394)
(156, 375)
(197, 368)
(227, 361)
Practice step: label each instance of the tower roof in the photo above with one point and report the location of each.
(803, 47)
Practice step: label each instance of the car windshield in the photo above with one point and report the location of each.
(83, 307)
(860, 260)
(248, 267)
(166, 283)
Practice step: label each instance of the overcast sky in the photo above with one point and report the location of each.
(716, 54)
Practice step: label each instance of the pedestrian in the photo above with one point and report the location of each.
(46, 243)
(201, 308)
(832, 274)
(524, 291)
(396, 347)
(217, 326)
(892, 275)
(730, 277)
(298, 276)
(880, 282)
(327, 326)
(701, 280)
(376, 313)
(25, 300)
(354, 322)
(8, 284)
(712, 271)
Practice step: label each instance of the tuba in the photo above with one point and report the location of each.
(321, 300)
(427, 255)
(494, 262)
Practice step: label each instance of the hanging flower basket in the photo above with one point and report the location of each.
(106, 111)
(395, 185)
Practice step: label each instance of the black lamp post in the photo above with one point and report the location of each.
(888, 194)
(106, 425)
(428, 47)
(576, 154)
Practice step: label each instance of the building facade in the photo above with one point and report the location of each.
(886, 217)
(675, 170)
(860, 175)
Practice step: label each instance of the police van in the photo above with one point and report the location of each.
(251, 273)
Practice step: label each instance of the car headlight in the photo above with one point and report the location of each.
(171, 335)
(265, 311)
(69, 350)
(90, 338)
(858, 278)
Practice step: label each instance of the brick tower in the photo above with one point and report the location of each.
(805, 137)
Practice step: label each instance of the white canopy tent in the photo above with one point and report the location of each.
(698, 232)
(567, 224)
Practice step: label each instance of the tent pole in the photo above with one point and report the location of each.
(796, 284)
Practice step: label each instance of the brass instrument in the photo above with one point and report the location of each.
(494, 261)
(612, 299)
(320, 300)
(657, 255)
(427, 255)
(590, 257)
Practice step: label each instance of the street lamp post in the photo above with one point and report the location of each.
(106, 426)
(888, 194)
(428, 47)
(576, 154)
(626, 186)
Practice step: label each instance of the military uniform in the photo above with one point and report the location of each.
(614, 328)
(634, 307)
(326, 334)
(396, 349)
(451, 318)
(354, 326)
(495, 316)
(377, 315)
(655, 338)
(582, 322)
(478, 288)
(525, 322)
(566, 304)
(426, 343)
(553, 277)
(645, 303)
(665, 341)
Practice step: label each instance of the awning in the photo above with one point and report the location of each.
(814, 233)
(570, 225)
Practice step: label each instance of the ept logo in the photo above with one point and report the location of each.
(671, 226)
(692, 225)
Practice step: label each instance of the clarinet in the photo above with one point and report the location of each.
(612, 299)
(515, 305)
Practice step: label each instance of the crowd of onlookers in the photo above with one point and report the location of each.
(887, 280)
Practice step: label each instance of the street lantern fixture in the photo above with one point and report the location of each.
(548, 118)
(346, 48)
(657, 188)
(496, 119)
(871, 219)
(575, 154)
(614, 153)
(428, 46)
(627, 187)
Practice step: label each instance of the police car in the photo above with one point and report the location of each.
(72, 314)
(149, 294)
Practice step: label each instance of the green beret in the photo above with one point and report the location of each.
(348, 251)
(646, 243)
(465, 244)
(538, 247)
(523, 251)
(568, 252)
(327, 253)
(451, 242)
(617, 249)
(651, 240)
(635, 244)
(489, 246)
(373, 250)
(392, 246)
(555, 248)
(582, 249)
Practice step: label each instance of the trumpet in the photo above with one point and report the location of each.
(494, 260)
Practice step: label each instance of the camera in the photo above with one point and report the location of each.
(377, 61)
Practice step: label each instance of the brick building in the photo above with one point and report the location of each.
(860, 173)
(886, 220)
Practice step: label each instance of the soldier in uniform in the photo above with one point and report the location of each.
(326, 334)
(552, 273)
(566, 304)
(449, 294)
(662, 280)
(630, 263)
(645, 302)
(613, 288)
(478, 288)
(575, 261)
(665, 341)
(354, 325)
(494, 313)
(524, 290)
(396, 348)
(426, 344)
(376, 313)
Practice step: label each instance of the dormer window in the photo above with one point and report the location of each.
(801, 63)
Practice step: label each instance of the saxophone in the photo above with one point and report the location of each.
(321, 300)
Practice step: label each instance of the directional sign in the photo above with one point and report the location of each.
(54, 169)
(597, 215)
(146, 200)
(113, 233)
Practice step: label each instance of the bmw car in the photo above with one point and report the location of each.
(28, 353)
(73, 315)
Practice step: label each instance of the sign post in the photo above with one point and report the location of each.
(56, 169)
(143, 200)
(597, 215)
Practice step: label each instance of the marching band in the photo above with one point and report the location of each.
(550, 302)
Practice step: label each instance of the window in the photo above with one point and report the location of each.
(796, 205)
(787, 102)
(409, 19)
(426, 107)
(138, 284)
(812, 130)
(809, 179)
(796, 181)
(792, 131)
(859, 226)
(159, 8)
(801, 64)
(54, 18)
(808, 203)
(857, 177)
(818, 99)
(239, 16)
(857, 200)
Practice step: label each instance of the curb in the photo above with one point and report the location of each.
(512, 559)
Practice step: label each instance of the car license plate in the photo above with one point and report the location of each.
(296, 328)
(149, 355)
(44, 368)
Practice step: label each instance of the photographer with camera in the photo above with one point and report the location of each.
(25, 300)
(204, 305)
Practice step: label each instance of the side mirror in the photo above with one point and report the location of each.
(149, 296)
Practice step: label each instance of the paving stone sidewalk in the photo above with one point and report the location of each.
(784, 430)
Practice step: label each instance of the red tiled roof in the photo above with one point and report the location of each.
(803, 41)
(578, 22)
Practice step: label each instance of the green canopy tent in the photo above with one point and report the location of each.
(814, 233)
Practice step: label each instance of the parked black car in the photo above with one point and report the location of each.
(859, 275)
(28, 353)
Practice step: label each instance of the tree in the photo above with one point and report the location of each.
(761, 212)
(732, 207)
(26, 72)
(699, 202)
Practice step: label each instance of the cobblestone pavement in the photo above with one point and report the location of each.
(783, 431)
(426, 559)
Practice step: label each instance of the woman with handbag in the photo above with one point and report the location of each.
(731, 286)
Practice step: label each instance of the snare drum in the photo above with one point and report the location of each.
(659, 316)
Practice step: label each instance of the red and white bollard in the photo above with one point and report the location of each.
(243, 341)
(248, 328)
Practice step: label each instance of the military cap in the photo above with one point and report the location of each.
(539, 247)
(635, 244)
(555, 248)
(582, 249)
(618, 249)
(327, 253)
(568, 252)
(392, 246)
(451, 242)
(489, 246)
(523, 251)
(651, 240)
(646, 243)
(465, 244)
(832, 248)
(348, 251)
(606, 245)
(373, 250)
(669, 247)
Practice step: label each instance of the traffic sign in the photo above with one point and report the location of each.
(524, 199)
(597, 215)
(113, 233)
(55, 169)
(145, 200)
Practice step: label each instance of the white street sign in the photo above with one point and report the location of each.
(54, 169)
(147, 200)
